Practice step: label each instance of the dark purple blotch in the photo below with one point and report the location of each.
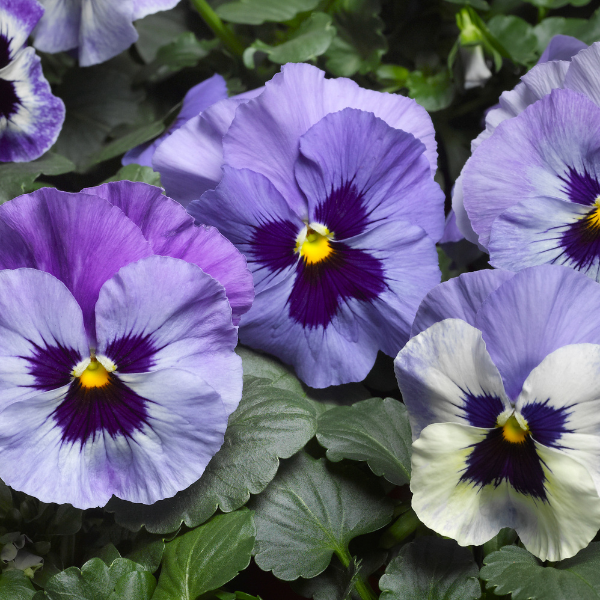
(4, 51)
(52, 366)
(9, 101)
(581, 188)
(546, 423)
(273, 245)
(481, 410)
(132, 353)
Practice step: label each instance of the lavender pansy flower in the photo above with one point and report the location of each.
(30, 116)
(99, 29)
(550, 73)
(501, 384)
(197, 100)
(337, 213)
(117, 348)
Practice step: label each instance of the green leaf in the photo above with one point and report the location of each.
(96, 581)
(255, 12)
(310, 511)
(586, 30)
(270, 423)
(431, 568)
(479, 4)
(310, 40)
(185, 51)
(97, 100)
(147, 551)
(158, 30)
(207, 557)
(504, 537)
(66, 520)
(550, 4)
(517, 36)
(432, 92)
(17, 178)
(359, 43)
(513, 570)
(135, 172)
(139, 585)
(14, 585)
(374, 430)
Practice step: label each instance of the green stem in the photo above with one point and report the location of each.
(360, 585)
(221, 30)
(542, 12)
(400, 529)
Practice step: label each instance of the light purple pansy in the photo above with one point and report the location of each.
(99, 29)
(197, 100)
(337, 212)
(548, 74)
(30, 116)
(117, 340)
(501, 384)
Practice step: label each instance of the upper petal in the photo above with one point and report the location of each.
(536, 312)
(18, 18)
(561, 47)
(80, 239)
(445, 374)
(142, 8)
(582, 75)
(58, 29)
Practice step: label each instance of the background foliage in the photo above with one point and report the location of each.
(310, 486)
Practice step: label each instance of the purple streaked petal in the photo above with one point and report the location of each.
(251, 213)
(197, 100)
(544, 78)
(264, 135)
(462, 218)
(459, 298)
(532, 156)
(171, 232)
(357, 171)
(583, 73)
(452, 233)
(18, 18)
(41, 334)
(58, 29)
(545, 230)
(182, 317)
(80, 239)
(537, 311)
(561, 47)
(446, 375)
(143, 8)
(30, 116)
(190, 160)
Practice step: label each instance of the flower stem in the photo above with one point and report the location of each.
(400, 529)
(222, 31)
(363, 589)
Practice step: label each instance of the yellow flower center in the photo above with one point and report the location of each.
(95, 375)
(313, 243)
(513, 432)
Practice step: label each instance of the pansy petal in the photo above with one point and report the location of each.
(30, 116)
(582, 73)
(445, 374)
(264, 135)
(41, 334)
(171, 232)
(548, 150)
(459, 298)
(352, 158)
(151, 463)
(58, 29)
(143, 8)
(545, 230)
(163, 313)
(264, 231)
(537, 311)
(197, 100)
(80, 239)
(106, 30)
(561, 47)
(552, 529)
(462, 218)
(544, 78)
(561, 403)
(189, 161)
(18, 18)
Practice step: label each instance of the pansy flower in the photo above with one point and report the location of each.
(551, 72)
(337, 213)
(99, 29)
(30, 116)
(501, 385)
(117, 370)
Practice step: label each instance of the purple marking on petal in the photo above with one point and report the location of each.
(52, 366)
(273, 245)
(9, 101)
(343, 212)
(4, 52)
(483, 410)
(132, 353)
(580, 241)
(547, 424)
(582, 189)
(320, 287)
(494, 460)
(114, 409)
